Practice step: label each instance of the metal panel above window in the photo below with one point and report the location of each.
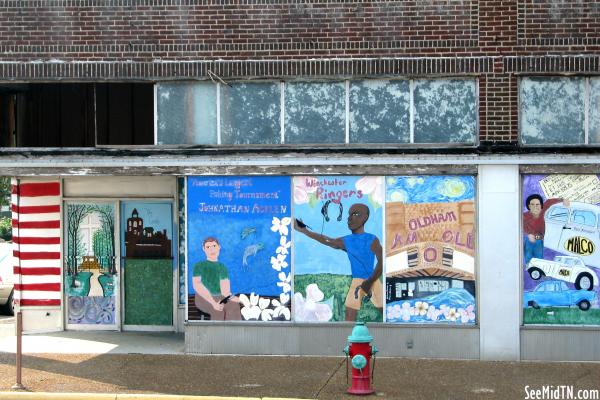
(379, 111)
(315, 112)
(186, 113)
(250, 113)
(553, 110)
(445, 111)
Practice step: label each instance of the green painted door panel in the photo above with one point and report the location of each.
(147, 249)
(148, 292)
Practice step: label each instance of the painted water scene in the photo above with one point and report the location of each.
(338, 255)
(91, 274)
(430, 264)
(561, 257)
(238, 248)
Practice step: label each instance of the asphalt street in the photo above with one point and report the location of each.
(119, 363)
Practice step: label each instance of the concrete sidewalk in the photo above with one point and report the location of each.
(106, 396)
(108, 367)
(288, 377)
(96, 342)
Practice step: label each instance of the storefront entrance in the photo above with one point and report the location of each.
(91, 270)
(147, 264)
(132, 291)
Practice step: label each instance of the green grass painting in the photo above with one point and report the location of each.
(148, 292)
(561, 316)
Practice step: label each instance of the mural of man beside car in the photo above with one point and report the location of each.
(561, 258)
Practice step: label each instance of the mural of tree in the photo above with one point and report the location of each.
(75, 215)
(107, 244)
(101, 247)
(103, 240)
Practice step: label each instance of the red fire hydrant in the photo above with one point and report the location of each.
(359, 352)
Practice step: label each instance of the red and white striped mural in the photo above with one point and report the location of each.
(36, 242)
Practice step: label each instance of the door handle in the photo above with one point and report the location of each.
(566, 227)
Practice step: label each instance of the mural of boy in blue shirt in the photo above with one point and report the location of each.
(212, 286)
(362, 248)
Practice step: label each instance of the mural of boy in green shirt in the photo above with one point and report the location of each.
(212, 286)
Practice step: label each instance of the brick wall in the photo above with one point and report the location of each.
(233, 29)
(182, 39)
(559, 22)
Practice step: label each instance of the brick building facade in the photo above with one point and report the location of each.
(496, 45)
(130, 40)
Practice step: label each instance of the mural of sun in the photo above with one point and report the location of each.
(452, 188)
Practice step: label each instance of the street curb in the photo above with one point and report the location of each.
(119, 396)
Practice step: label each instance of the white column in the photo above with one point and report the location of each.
(499, 267)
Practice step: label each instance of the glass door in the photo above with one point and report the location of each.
(91, 279)
(148, 264)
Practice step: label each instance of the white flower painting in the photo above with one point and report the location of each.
(311, 309)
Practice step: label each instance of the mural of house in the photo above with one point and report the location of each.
(446, 125)
(142, 241)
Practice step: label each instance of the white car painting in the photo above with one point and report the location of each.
(565, 268)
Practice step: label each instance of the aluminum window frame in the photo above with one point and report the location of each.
(586, 112)
(348, 108)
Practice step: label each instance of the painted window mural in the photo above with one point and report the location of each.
(561, 260)
(338, 256)
(248, 250)
(430, 268)
(238, 245)
(147, 260)
(91, 276)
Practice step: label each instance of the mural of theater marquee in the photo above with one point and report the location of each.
(561, 255)
(430, 268)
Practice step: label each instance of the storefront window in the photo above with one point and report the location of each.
(187, 113)
(250, 113)
(445, 111)
(315, 112)
(553, 110)
(594, 133)
(560, 258)
(430, 249)
(380, 111)
(238, 248)
(396, 249)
